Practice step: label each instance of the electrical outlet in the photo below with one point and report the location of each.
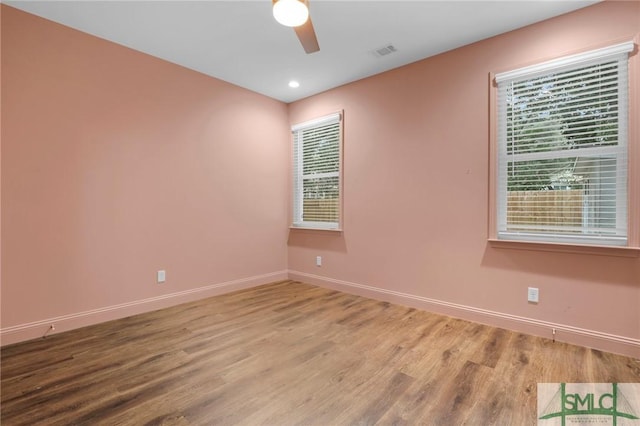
(162, 276)
(318, 260)
(533, 295)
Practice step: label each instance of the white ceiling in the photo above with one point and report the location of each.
(239, 41)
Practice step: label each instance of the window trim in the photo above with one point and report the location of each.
(632, 248)
(317, 226)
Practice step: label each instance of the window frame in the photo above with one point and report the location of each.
(631, 248)
(297, 167)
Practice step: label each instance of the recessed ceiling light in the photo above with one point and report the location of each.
(293, 84)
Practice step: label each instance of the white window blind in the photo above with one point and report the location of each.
(562, 150)
(317, 173)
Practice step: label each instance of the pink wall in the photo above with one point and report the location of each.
(416, 195)
(115, 165)
(1, 9)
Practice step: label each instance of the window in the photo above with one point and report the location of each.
(562, 150)
(317, 147)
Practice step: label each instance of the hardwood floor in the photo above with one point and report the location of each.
(291, 353)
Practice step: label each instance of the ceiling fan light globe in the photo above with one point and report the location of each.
(290, 13)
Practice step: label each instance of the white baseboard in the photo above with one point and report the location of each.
(32, 330)
(565, 333)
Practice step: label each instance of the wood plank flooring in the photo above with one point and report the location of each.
(291, 353)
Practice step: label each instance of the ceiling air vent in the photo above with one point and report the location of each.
(384, 51)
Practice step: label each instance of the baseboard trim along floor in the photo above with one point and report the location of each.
(32, 330)
(564, 333)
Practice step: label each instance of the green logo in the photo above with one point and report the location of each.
(586, 403)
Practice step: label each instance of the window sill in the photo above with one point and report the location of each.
(566, 248)
(316, 230)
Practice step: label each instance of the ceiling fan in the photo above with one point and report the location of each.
(295, 13)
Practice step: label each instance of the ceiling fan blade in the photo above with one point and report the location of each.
(307, 36)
